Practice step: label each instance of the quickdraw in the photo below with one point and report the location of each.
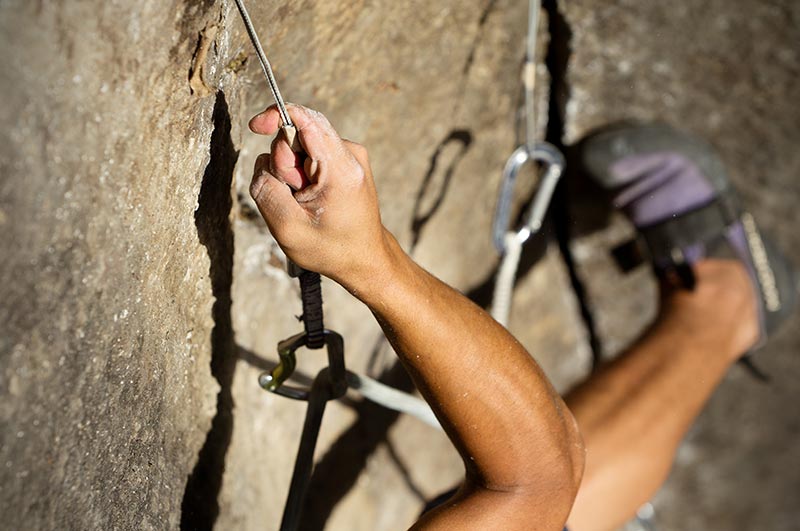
(507, 240)
(331, 382)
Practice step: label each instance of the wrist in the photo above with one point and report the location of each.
(377, 271)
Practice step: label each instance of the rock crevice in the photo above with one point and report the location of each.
(200, 506)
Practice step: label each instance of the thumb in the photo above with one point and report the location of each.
(276, 203)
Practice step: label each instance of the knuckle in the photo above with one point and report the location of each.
(266, 195)
(261, 164)
(254, 189)
(360, 173)
(256, 185)
(360, 150)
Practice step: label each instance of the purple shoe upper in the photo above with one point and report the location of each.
(662, 185)
(666, 185)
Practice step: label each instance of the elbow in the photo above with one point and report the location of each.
(566, 468)
(576, 453)
(566, 474)
(574, 462)
(558, 478)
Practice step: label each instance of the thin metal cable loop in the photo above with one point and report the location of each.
(529, 73)
(504, 285)
(265, 66)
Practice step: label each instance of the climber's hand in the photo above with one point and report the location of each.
(321, 206)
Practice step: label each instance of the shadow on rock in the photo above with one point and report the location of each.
(200, 506)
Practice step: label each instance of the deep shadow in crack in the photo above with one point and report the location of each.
(564, 199)
(200, 506)
(577, 193)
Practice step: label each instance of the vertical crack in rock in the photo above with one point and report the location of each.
(200, 506)
(557, 61)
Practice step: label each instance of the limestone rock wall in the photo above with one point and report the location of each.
(105, 291)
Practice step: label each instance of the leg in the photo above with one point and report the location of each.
(634, 412)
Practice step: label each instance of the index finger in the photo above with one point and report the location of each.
(315, 131)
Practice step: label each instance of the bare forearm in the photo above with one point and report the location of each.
(520, 444)
(502, 414)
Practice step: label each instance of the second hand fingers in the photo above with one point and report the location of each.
(266, 122)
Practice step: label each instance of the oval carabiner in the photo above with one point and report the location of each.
(553, 162)
(273, 381)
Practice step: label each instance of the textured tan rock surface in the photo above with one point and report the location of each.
(727, 71)
(105, 291)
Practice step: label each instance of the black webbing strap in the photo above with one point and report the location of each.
(330, 384)
(697, 226)
(311, 296)
(304, 462)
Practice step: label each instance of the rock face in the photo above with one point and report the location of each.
(110, 260)
(141, 296)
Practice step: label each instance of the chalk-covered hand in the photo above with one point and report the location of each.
(321, 206)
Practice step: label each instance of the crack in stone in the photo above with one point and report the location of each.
(200, 506)
(197, 82)
(557, 61)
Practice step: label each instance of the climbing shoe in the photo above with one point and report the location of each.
(675, 190)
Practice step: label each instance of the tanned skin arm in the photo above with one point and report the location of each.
(520, 444)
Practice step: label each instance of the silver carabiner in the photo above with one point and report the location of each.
(553, 161)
